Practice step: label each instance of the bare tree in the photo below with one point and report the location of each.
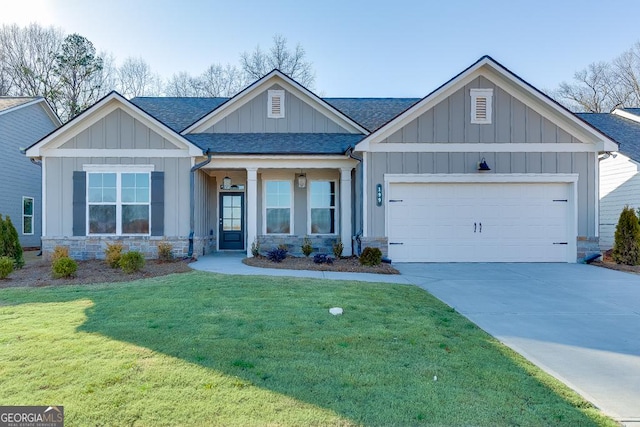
(222, 81)
(135, 78)
(293, 63)
(28, 58)
(80, 75)
(593, 91)
(182, 84)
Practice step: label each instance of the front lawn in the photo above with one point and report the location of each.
(205, 349)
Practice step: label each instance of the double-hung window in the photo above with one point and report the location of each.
(278, 207)
(118, 202)
(27, 215)
(323, 207)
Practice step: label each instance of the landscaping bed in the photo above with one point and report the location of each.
(608, 262)
(37, 272)
(350, 264)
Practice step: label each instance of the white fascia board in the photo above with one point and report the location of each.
(280, 162)
(481, 178)
(114, 152)
(487, 147)
(250, 92)
(100, 110)
(627, 115)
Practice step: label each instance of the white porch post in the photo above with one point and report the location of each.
(251, 197)
(345, 210)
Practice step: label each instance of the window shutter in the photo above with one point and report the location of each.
(79, 203)
(157, 203)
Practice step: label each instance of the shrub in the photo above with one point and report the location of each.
(59, 252)
(306, 247)
(165, 251)
(10, 242)
(277, 254)
(626, 247)
(255, 248)
(322, 259)
(131, 262)
(371, 256)
(64, 267)
(6, 266)
(113, 254)
(337, 250)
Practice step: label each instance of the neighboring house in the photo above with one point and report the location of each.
(23, 121)
(485, 168)
(619, 172)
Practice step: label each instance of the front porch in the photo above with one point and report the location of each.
(269, 202)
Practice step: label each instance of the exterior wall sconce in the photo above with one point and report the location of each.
(483, 166)
(302, 180)
(226, 183)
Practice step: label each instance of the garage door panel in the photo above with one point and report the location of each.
(478, 222)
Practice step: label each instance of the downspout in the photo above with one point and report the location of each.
(358, 235)
(192, 202)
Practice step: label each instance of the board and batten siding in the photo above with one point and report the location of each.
(118, 130)
(206, 204)
(19, 129)
(583, 164)
(299, 117)
(512, 122)
(619, 186)
(59, 170)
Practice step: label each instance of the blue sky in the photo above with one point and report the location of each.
(358, 48)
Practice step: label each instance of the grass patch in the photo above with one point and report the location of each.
(205, 349)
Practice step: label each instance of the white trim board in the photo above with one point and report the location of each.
(486, 147)
(481, 178)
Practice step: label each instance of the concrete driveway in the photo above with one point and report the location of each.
(579, 323)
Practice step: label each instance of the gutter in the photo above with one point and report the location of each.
(192, 203)
(358, 235)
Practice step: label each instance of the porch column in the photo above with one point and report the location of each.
(251, 197)
(345, 210)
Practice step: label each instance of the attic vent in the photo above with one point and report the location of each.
(275, 104)
(481, 106)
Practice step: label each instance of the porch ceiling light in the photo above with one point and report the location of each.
(226, 183)
(302, 180)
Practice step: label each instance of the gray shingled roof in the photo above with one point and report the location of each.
(275, 143)
(371, 113)
(7, 102)
(624, 131)
(178, 113)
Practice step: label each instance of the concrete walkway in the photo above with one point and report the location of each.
(579, 323)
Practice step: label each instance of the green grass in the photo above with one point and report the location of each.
(204, 349)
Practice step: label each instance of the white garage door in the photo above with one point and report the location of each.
(488, 222)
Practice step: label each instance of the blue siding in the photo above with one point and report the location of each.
(19, 177)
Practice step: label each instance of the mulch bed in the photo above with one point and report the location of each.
(608, 262)
(351, 264)
(37, 273)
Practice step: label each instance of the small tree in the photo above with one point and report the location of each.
(10, 242)
(626, 247)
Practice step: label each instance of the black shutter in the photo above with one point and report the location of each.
(79, 203)
(157, 203)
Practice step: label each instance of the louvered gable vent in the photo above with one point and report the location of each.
(481, 106)
(275, 104)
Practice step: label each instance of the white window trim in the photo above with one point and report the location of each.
(118, 170)
(336, 211)
(264, 206)
(33, 212)
(273, 94)
(481, 93)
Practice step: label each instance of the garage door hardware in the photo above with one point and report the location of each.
(395, 201)
(560, 243)
(560, 200)
(475, 227)
(396, 243)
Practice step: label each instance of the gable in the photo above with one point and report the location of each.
(449, 121)
(118, 130)
(304, 112)
(110, 126)
(299, 117)
(520, 116)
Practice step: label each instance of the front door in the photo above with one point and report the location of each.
(231, 234)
